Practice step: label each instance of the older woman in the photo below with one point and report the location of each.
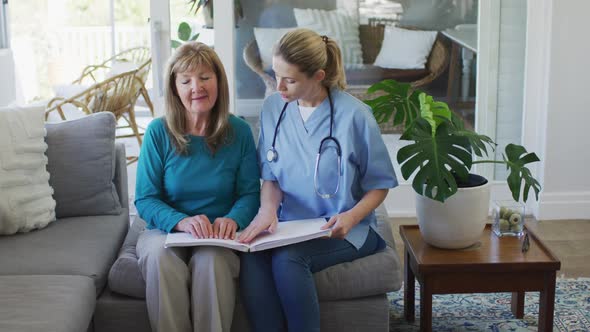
(197, 173)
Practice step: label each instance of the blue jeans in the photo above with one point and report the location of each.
(277, 285)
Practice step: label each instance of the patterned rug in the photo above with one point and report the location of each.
(491, 312)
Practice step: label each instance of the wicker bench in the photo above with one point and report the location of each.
(371, 37)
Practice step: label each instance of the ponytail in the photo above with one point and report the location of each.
(311, 52)
(335, 76)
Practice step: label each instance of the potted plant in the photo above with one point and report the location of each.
(207, 6)
(451, 203)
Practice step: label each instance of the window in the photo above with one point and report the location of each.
(53, 41)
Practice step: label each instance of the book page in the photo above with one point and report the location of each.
(289, 232)
(182, 239)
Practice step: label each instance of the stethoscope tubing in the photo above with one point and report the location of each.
(272, 154)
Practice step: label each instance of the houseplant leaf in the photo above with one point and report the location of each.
(184, 31)
(516, 157)
(397, 101)
(175, 44)
(435, 112)
(436, 159)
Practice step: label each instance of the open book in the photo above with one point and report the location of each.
(287, 232)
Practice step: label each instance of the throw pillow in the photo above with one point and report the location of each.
(81, 158)
(336, 24)
(25, 194)
(266, 39)
(405, 49)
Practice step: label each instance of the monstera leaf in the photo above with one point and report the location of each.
(397, 101)
(435, 159)
(516, 158)
(435, 112)
(443, 150)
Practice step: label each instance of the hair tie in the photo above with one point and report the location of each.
(325, 39)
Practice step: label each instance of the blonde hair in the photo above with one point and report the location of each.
(189, 57)
(311, 52)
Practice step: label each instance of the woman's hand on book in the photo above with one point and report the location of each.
(199, 226)
(224, 228)
(264, 220)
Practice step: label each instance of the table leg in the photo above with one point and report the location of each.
(546, 303)
(425, 308)
(409, 288)
(517, 304)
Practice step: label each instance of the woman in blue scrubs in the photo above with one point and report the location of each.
(311, 113)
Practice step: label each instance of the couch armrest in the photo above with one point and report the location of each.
(120, 179)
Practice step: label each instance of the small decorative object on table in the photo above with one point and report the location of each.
(508, 218)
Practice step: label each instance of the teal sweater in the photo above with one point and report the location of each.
(171, 187)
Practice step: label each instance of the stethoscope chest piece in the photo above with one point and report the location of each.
(271, 155)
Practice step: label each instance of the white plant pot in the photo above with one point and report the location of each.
(456, 223)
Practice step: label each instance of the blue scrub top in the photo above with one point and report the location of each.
(365, 161)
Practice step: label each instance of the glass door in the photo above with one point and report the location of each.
(53, 40)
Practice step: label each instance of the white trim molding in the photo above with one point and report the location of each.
(4, 26)
(225, 46)
(564, 205)
(486, 96)
(536, 85)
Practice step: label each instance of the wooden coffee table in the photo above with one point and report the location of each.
(494, 264)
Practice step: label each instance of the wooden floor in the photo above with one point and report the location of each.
(569, 240)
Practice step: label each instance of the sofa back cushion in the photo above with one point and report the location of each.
(25, 194)
(81, 165)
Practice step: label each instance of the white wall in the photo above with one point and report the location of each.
(7, 83)
(556, 105)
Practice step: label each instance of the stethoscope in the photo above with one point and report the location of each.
(272, 154)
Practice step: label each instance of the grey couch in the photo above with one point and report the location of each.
(352, 295)
(50, 279)
(80, 273)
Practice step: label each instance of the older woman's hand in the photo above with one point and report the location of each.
(199, 226)
(224, 228)
(264, 220)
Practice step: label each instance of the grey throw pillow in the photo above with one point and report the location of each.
(81, 165)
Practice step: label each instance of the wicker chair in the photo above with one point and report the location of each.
(96, 73)
(359, 80)
(117, 94)
(93, 74)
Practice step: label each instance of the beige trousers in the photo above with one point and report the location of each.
(187, 282)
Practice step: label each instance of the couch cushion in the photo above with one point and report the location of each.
(371, 275)
(46, 303)
(81, 164)
(25, 195)
(85, 246)
(125, 276)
